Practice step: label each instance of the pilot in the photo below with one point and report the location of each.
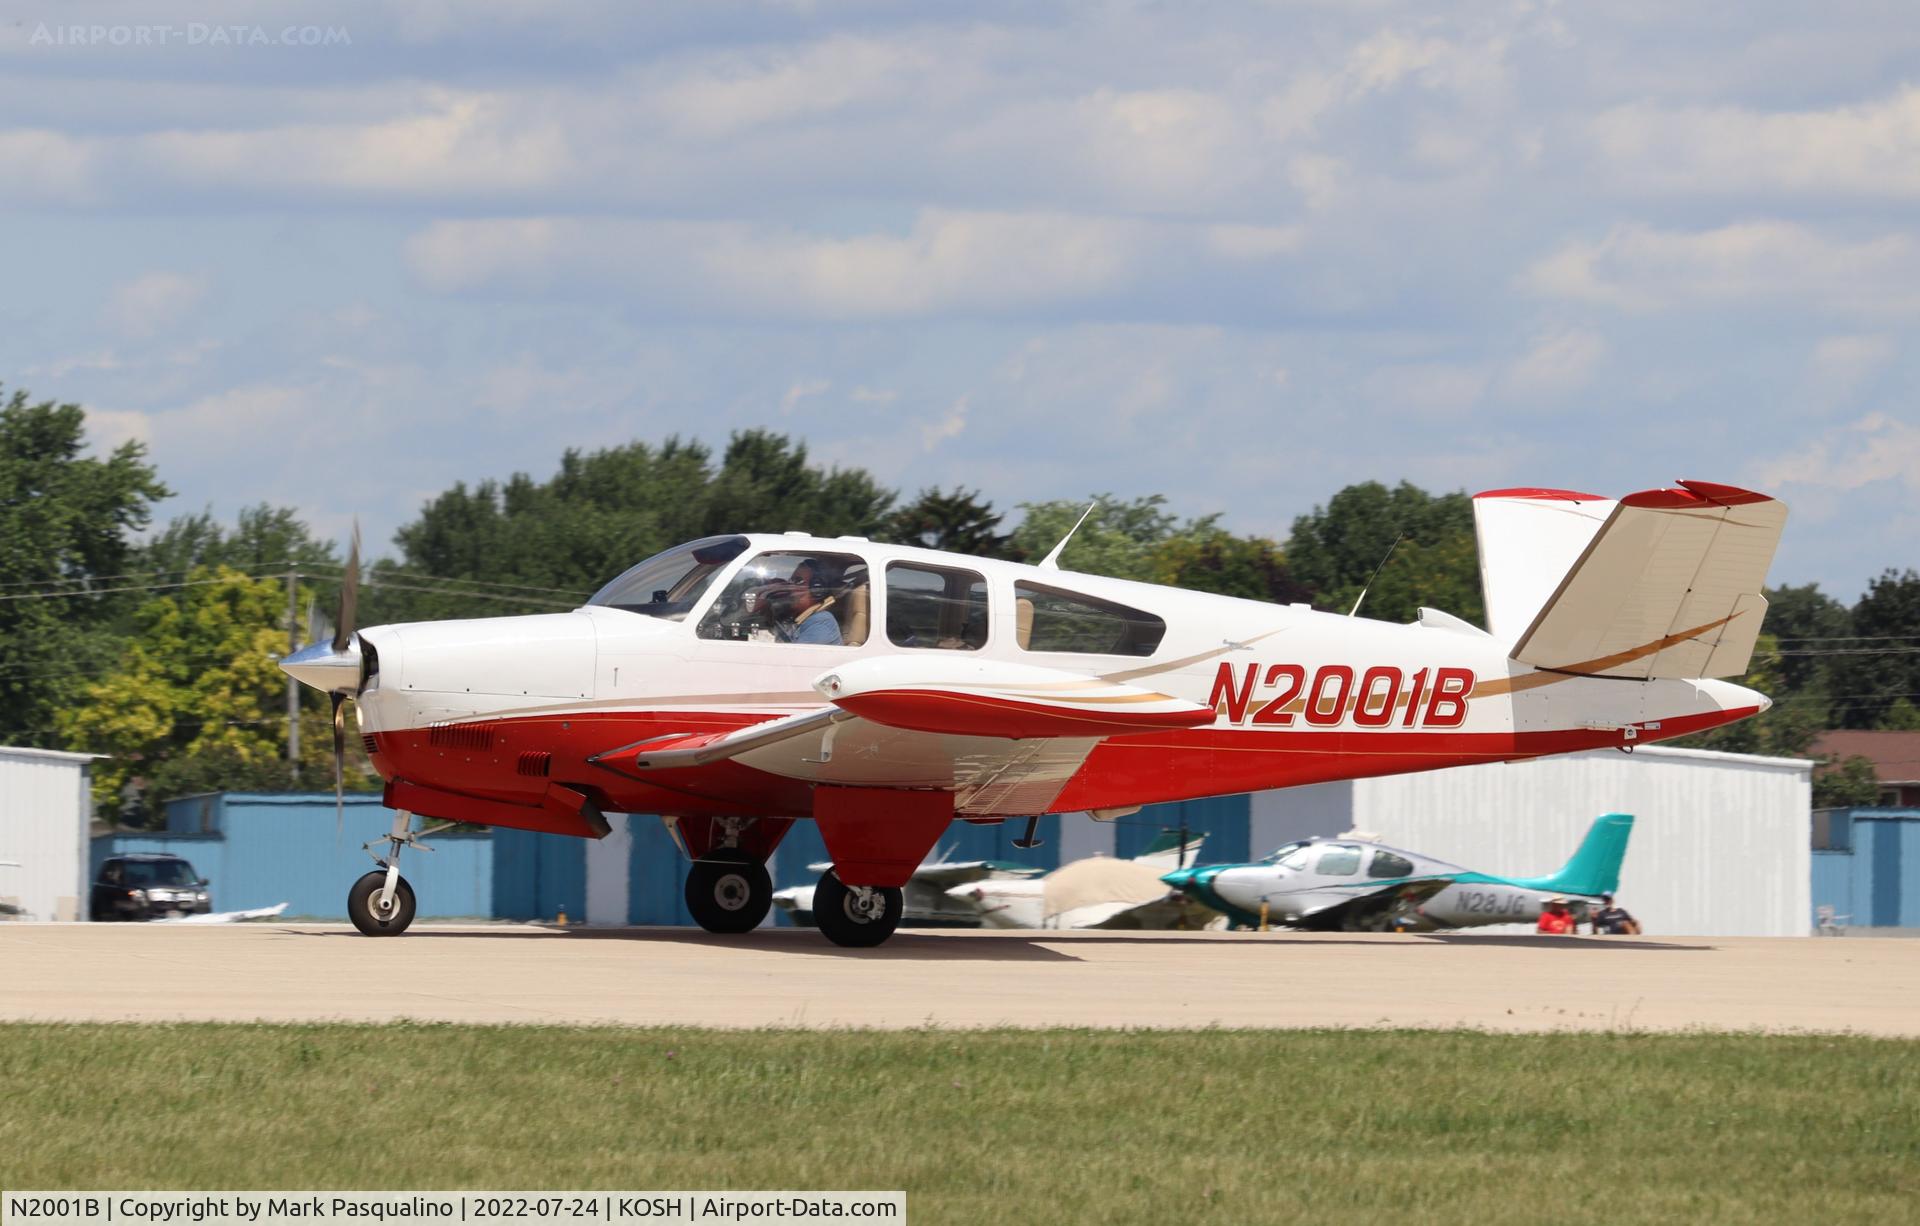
(812, 621)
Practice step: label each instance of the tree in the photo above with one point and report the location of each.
(1845, 784)
(1335, 550)
(959, 522)
(64, 517)
(198, 701)
(264, 538)
(1881, 664)
(1140, 540)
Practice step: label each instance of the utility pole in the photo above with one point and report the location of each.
(293, 687)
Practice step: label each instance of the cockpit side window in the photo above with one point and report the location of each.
(1340, 860)
(822, 599)
(668, 585)
(1049, 619)
(936, 606)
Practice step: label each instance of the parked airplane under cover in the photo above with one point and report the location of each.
(740, 683)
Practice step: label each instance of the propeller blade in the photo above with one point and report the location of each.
(349, 594)
(339, 766)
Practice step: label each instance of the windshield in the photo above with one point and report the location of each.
(1284, 850)
(669, 584)
(160, 872)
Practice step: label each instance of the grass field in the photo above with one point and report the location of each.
(1000, 1126)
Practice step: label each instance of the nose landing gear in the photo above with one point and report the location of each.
(381, 903)
(856, 916)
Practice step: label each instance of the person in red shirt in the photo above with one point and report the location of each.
(1555, 918)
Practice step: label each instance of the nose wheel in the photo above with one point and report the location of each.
(381, 903)
(856, 916)
(726, 892)
(374, 911)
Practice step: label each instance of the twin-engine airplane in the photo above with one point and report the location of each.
(738, 684)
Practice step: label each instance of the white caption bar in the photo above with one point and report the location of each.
(451, 1208)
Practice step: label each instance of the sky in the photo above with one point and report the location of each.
(341, 255)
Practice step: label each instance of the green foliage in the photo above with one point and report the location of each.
(65, 518)
(1806, 621)
(959, 522)
(1902, 716)
(1848, 783)
(1882, 666)
(198, 702)
(604, 511)
(1141, 540)
(1336, 548)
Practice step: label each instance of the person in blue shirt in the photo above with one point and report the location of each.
(813, 622)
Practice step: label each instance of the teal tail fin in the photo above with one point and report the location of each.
(1595, 867)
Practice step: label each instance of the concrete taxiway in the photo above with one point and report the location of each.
(783, 977)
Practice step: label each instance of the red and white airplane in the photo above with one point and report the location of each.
(738, 684)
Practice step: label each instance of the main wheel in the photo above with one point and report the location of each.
(855, 918)
(363, 905)
(728, 895)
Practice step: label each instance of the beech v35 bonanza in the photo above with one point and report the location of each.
(737, 684)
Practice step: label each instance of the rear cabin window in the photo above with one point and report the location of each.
(1049, 619)
(1387, 864)
(935, 606)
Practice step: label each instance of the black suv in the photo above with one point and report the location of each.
(144, 886)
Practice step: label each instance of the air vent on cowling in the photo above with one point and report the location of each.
(536, 762)
(373, 746)
(461, 736)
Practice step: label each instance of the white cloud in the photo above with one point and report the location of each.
(1638, 267)
(110, 428)
(948, 261)
(1873, 449)
(1438, 388)
(1865, 149)
(1840, 365)
(1557, 365)
(951, 425)
(154, 302)
(802, 390)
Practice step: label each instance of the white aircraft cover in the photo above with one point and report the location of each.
(1092, 882)
(1670, 587)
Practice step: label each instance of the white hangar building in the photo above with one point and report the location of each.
(1721, 846)
(46, 805)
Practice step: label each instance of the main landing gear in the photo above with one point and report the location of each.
(856, 916)
(381, 903)
(727, 891)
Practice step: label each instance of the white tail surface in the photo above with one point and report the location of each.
(1529, 539)
(1670, 586)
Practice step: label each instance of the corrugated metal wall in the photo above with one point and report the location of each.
(268, 849)
(1720, 843)
(1873, 873)
(45, 805)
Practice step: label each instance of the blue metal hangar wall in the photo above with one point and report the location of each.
(262, 849)
(1723, 844)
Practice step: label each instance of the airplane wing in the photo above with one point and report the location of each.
(946, 874)
(1004, 737)
(1669, 586)
(1171, 910)
(1407, 892)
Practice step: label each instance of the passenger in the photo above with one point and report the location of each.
(1555, 918)
(1614, 921)
(812, 621)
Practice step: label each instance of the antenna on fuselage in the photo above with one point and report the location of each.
(1052, 560)
(1375, 575)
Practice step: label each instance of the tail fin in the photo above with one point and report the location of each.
(1595, 867)
(1529, 539)
(1668, 586)
(1167, 853)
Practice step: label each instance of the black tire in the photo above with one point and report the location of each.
(835, 912)
(360, 905)
(728, 894)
